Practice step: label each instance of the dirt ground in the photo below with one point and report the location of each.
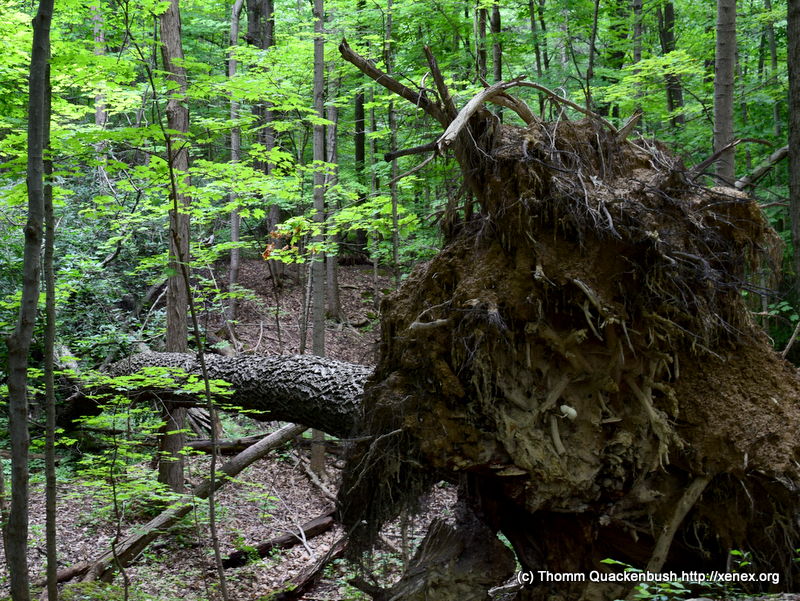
(272, 497)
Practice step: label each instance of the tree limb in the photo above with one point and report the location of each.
(698, 169)
(129, 549)
(752, 178)
(422, 148)
(455, 127)
(416, 98)
(444, 94)
(310, 529)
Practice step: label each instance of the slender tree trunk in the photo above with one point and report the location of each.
(543, 27)
(170, 469)
(318, 260)
(331, 260)
(497, 45)
(537, 51)
(480, 44)
(393, 192)
(360, 138)
(674, 90)
(236, 148)
(724, 65)
(592, 52)
(20, 340)
(261, 34)
(793, 59)
(49, 364)
(100, 112)
(637, 31)
(773, 63)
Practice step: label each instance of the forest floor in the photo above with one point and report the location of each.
(271, 498)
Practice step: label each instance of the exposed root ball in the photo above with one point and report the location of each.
(580, 349)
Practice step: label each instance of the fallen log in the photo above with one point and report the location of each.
(319, 392)
(308, 578)
(308, 530)
(104, 567)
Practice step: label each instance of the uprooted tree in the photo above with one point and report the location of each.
(578, 359)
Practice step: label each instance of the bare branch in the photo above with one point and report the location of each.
(444, 94)
(752, 178)
(519, 106)
(423, 148)
(416, 98)
(455, 127)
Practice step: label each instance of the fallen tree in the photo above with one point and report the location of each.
(578, 359)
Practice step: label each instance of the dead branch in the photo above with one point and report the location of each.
(455, 127)
(390, 156)
(519, 106)
(752, 178)
(626, 129)
(416, 98)
(790, 344)
(103, 567)
(225, 447)
(308, 578)
(444, 94)
(686, 502)
(310, 529)
(698, 169)
(414, 169)
(569, 103)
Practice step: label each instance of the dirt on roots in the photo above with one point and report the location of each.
(579, 354)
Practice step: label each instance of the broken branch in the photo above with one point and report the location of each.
(416, 98)
(103, 567)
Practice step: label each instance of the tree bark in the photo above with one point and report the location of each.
(497, 45)
(49, 363)
(318, 258)
(724, 66)
(334, 307)
(170, 467)
(236, 148)
(793, 59)
(310, 529)
(20, 340)
(480, 44)
(318, 392)
(674, 90)
(773, 64)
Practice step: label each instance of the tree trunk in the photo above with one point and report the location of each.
(535, 35)
(318, 258)
(724, 66)
(674, 90)
(318, 392)
(480, 44)
(261, 34)
(388, 59)
(793, 59)
(49, 362)
(20, 340)
(497, 44)
(236, 148)
(334, 308)
(773, 64)
(170, 467)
